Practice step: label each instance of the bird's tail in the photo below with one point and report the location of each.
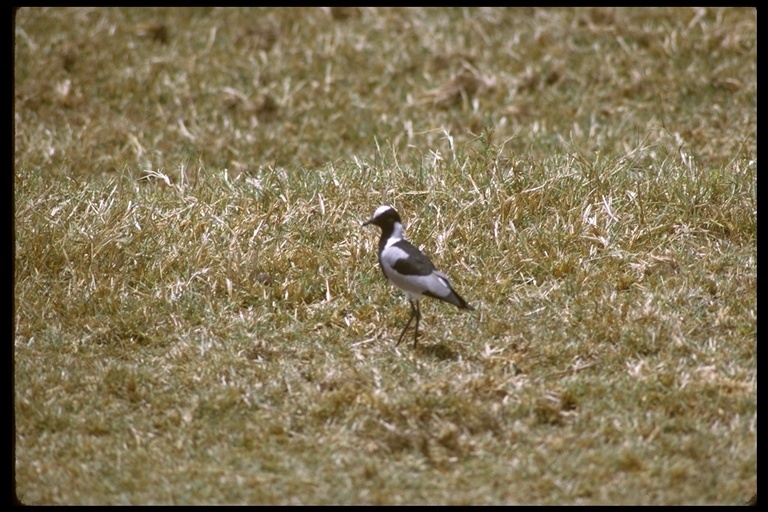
(455, 298)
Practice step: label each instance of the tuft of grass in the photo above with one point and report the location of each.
(200, 319)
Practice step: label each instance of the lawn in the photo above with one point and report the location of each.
(199, 317)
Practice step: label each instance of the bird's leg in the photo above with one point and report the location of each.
(413, 315)
(416, 327)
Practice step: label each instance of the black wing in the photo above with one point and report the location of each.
(416, 264)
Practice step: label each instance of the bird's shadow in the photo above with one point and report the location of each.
(441, 351)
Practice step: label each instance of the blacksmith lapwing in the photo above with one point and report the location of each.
(409, 269)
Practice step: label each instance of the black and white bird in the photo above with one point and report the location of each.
(409, 269)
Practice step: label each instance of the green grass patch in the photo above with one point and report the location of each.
(200, 318)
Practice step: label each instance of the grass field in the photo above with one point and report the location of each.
(200, 317)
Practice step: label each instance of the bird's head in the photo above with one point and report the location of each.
(384, 216)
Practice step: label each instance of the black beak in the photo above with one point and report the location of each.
(367, 222)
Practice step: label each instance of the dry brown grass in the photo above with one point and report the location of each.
(199, 318)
